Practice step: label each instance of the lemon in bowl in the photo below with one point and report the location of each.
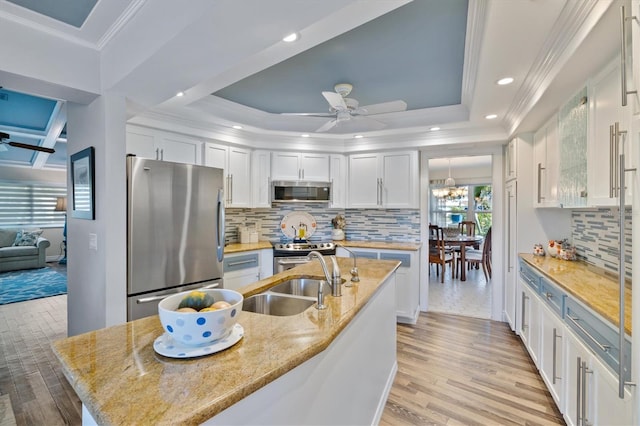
(200, 317)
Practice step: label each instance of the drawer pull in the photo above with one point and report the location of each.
(548, 295)
(604, 348)
(242, 262)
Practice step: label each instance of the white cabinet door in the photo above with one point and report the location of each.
(180, 149)
(610, 408)
(239, 177)
(511, 254)
(399, 179)
(580, 387)
(216, 156)
(604, 148)
(285, 166)
(297, 166)
(141, 142)
(261, 178)
(364, 181)
(545, 173)
(530, 321)
(315, 167)
(266, 263)
(338, 178)
(161, 145)
(551, 361)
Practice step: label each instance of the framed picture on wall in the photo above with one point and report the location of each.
(83, 186)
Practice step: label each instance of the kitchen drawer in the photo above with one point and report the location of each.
(366, 254)
(529, 276)
(598, 335)
(402, 257)
(553, 296)
(237, 263)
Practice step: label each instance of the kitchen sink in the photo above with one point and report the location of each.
(307, 287)
(300, 287)
(275, 304)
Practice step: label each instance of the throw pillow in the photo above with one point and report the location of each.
(7, 237)
(27, 238)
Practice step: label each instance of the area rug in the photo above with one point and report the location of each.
(18, 286)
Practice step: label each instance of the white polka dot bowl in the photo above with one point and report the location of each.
(200, 328)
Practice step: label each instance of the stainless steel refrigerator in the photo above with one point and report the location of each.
(175, 231)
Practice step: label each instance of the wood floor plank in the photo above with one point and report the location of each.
(458, 370)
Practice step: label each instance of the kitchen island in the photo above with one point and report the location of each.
(330, 366)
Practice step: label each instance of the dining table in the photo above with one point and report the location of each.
(462, 241)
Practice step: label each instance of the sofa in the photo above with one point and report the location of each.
(21, 249)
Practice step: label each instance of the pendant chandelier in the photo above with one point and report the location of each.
(450, 190)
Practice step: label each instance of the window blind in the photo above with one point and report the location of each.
(30, 204)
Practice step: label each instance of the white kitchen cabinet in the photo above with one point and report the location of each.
(545, 163)
(511, 160)
(383, 180)
(511, 254)
(551, 363)
(604, 145)
(261, 178)
(161, 145)
(300, 166)
(529, 324)
(407, 279)
(266, 263)
(236, 163)
(241, 269)
(338, 176)
(580, 387)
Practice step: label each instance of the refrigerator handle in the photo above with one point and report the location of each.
(220, 233)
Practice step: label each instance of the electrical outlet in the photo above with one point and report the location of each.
(93, 242)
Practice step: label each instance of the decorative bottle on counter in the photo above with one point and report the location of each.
(337, 234)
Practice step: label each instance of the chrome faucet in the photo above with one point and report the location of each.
(354, 271)
(333, 280)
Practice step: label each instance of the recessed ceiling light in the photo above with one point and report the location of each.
(304, 135)
(505, 81)
(357, 137)
(491, 116)
(433, 129)
(290, 38)
(180, 94)
(237, 127)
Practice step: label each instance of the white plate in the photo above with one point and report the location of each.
(294, 220)
(168, 346)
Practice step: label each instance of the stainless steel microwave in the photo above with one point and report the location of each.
(300, 191)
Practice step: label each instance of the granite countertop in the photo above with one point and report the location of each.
(587, 284)
(385, 245)
(122, 380)
(239, 247)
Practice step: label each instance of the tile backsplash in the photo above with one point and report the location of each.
(371, 224)
(595, 235)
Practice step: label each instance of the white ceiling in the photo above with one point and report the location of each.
(150, 50)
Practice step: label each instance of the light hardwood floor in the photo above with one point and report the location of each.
(453, 370)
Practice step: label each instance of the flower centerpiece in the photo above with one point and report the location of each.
(339, 223)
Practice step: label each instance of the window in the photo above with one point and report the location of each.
(30, 204)
(450, 206)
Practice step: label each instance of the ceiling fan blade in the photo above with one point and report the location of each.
(335, 100)
(382, 108)
(32, 147)
(310, 114)
(326, 126)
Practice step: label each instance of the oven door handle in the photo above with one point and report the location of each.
(293, 261)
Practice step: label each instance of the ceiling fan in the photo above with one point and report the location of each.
(4, 136)
(345, 109)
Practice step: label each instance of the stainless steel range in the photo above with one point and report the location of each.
(289, 255)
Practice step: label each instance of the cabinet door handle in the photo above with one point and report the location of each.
(230, 189)
(157, 153)
(603, 348)
(611, 159)
(578, 391)
(555, 351)
(522, 314)
(162, 154)
(623, 55)
(509, 232)
(540, 169)
(302, 174)
(583, 404)
(616, 158)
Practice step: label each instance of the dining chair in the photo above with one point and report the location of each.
(438, 253)
(477, 258)
(467, 227)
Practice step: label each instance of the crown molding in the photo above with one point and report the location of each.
(476, 20)
(122, 20)
(577, 19)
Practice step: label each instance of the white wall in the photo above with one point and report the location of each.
(97, 278)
